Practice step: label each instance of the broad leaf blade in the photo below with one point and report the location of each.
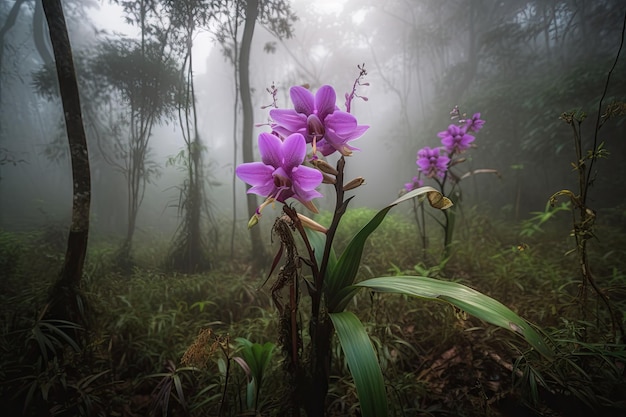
(342, 298)
(465, 298)
(435, 198)
(348, 264)
(343, 274)
(363, 363)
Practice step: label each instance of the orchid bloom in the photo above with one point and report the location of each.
(319, 120)
(414, 184)
(281, 174)
(474, 124)
(455, 139)
(431, 162)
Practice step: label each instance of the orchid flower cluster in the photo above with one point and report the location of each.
(456, 139)
(289, 168)
(436, 164)
(282, 173)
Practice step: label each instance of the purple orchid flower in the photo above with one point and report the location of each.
(455, 139)
(431, 162)
(319, 120)
(281, 175)
(474, 124)
(414, 184)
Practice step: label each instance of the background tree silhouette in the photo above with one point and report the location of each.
(190, 247)
(277, 17)
(66, 303)
(148, 84)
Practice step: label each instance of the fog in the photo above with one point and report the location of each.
(520, 64)
(469, 257)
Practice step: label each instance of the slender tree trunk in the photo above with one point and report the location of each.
(139, 136)
(64, 297)
(196, 246)
(188, 253)
(235, 130)
(252, 11)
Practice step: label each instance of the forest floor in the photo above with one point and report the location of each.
(435, 359)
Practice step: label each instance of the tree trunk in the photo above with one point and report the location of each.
(252, 11)
(198, 259)
(64, 298)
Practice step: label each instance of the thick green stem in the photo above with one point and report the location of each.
(321, 329)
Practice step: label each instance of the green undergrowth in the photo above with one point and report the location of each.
(435, 359)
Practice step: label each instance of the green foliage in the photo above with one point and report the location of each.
(534, 224)
(394, 229)
(342, 275)
(149, 317)
(362, 362)
(255, 358)
(583, 371)
(357, 346)
(463, 297)
(170, 385)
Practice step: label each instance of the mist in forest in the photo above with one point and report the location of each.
(520, 64)
(197, 196)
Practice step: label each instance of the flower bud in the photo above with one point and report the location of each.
(357, 182)
(254, 220)
(327, 179)
(311, 224)
(310, 206)
(324, 166)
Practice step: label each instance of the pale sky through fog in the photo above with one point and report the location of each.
(110, 17)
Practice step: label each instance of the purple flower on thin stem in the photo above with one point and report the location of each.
(474, 124)
(319, 120)
(455, 139)
(414, 184)
(431, 162)
(281, 174)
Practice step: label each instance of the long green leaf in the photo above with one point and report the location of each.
(469, 300)
(344, 272)
(318, 241)
(362, 362)
(348, 264)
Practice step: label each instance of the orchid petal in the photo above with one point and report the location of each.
(325, 148)
(270, 148)
(288, 119)
(325, 100)
(307, 178)
(358, 131)
(305, 196)
(283, 133)
(303, 101)
(345, 125)
(259, 176)
(264, 190)
(293, 151)
(254, 173)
